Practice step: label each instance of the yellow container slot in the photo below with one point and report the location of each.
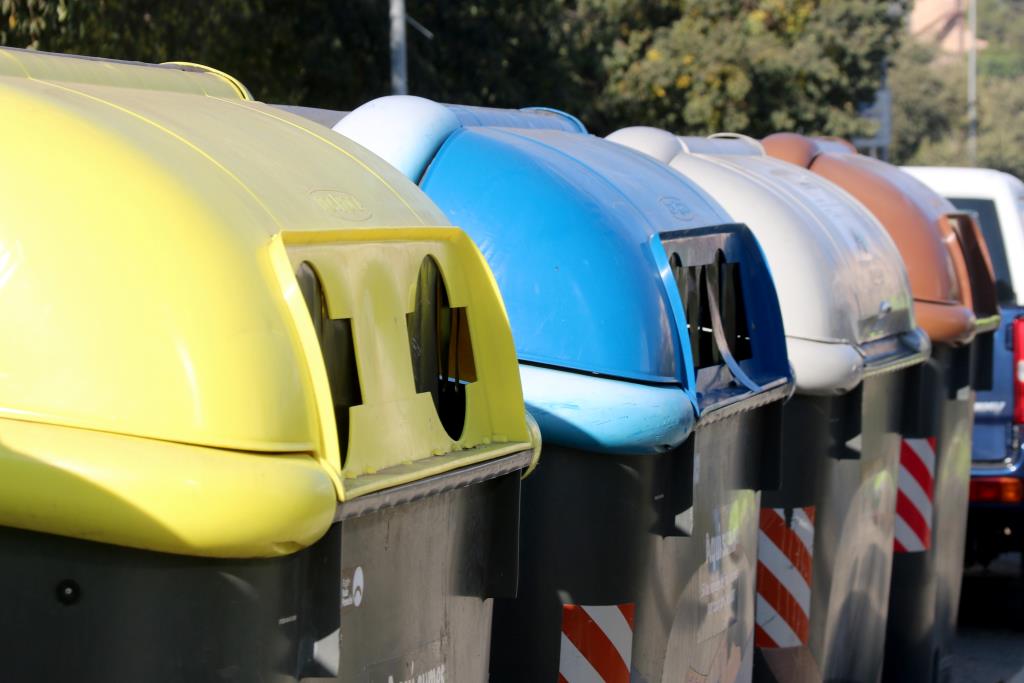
(370, 278)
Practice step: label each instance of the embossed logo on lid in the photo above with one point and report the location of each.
(341, 204)
(675, 206)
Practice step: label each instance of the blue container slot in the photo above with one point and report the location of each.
(728, 315)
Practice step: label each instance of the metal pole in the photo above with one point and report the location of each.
(399, 65)
(972, 84)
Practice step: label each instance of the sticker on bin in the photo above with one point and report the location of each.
(597, 643)
(785, 553)
(914, 499)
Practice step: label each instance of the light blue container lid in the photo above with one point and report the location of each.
(565, 222)
(579, 233)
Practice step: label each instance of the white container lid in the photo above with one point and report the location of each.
(842, 285)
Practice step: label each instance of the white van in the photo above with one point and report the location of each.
(998, 199)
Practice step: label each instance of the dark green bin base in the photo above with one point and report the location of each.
(402, 590)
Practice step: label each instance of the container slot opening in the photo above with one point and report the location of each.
(688, 280)
(338, 349)
(984, 293)
(692, 283)
(441, 348)
(734, 313)
(991, 230)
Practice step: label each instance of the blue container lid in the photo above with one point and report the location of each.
(581, 234)
(565, 221)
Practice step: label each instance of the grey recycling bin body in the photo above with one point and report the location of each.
(652, 356)
(955, 299)
(826, 536)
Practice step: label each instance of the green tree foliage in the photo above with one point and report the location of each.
(752, 66)
(930, 97)
(23, 22)
(296, 51)
(502, 54)
(928, 102)
(1001, 121)
(1000, 130)
(1001, 23)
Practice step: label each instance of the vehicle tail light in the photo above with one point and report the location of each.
(997, 490)
(1017, 335)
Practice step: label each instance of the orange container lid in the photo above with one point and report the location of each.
(945, 256)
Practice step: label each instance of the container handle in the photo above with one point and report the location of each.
(720, 340)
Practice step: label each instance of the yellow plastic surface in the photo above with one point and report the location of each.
(179, 76)
(160, 495)
(147, 249)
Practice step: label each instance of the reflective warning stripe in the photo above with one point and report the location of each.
(916, 481)
(573, 667)
(785, 554)
(771, 630)
(597, 643)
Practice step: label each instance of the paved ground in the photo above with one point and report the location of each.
(990, 640)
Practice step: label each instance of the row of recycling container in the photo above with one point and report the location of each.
(262, 405)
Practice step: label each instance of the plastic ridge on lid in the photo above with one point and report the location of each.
(528, 117)
(243, 91)
(256, 290)
(383, 124)
(843, 293)
(572, 227)
(185, 78)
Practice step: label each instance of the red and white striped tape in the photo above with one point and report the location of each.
(597, 643)
(916, 481)
(785, 552)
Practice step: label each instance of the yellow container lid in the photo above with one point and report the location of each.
(154, 220)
